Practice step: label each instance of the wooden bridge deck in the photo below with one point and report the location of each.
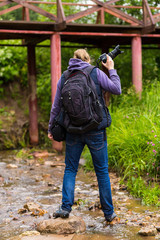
(95, 34)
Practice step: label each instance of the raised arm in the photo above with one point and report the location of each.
(112, 83)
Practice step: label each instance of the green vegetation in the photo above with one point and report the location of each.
(134, 142)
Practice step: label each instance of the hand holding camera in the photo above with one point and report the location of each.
(111, 55)
(109, 64)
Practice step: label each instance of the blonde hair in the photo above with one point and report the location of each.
(82, 54)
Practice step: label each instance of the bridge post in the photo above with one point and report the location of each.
(33, 113)
(137, 64)
(55, 73)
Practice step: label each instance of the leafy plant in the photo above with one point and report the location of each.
(133, 141)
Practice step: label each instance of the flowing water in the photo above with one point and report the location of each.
(33, 181)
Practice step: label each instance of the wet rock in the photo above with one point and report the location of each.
(41, 154)
(22, 210)
(62, 226)
(95, 184)
(50, 184)
(147, 218)
(148, 231)
(35, 209)
(31, 206)
(45, 176)
(17, 178)
(11, 166)
(55, 164)
(25, 235)
(131, 224)
(48, 163)
(38, 178)
(31, 169)
(134, 220)
(59, 158)
(94, 193)
(7, 220)
(83, 192)
(91, 225)
(143, 224)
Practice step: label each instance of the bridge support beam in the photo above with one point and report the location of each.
(33, 113)
(137, 64)
(55, 73)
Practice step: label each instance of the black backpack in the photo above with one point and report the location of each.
(81, 107)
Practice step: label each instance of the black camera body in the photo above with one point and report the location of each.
(112, 54)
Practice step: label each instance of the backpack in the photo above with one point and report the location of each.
(81, 107)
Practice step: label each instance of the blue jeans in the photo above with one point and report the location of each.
(97, 144)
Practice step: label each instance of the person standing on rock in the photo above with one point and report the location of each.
(96, 139)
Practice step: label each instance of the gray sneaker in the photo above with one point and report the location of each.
(110, 217)
(61, 213)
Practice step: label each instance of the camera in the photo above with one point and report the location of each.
(112, 54)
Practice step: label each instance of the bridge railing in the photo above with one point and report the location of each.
(74, 12)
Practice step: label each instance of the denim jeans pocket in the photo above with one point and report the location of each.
(95, 140)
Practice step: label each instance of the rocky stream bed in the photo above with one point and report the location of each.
(30, 191)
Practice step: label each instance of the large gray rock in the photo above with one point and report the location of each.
(62, 226)
(148, 231)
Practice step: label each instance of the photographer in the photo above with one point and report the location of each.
(96, 139)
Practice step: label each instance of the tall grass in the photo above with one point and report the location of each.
(134, 141)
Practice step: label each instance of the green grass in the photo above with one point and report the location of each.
(134, 141)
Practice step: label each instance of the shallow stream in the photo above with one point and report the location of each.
(40, 181)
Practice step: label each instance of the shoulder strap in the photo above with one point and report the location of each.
(65, 76)
(67, 73)
(88, 69)
(63, 79)
(92, 74)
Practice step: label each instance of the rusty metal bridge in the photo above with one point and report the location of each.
(86, 22)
